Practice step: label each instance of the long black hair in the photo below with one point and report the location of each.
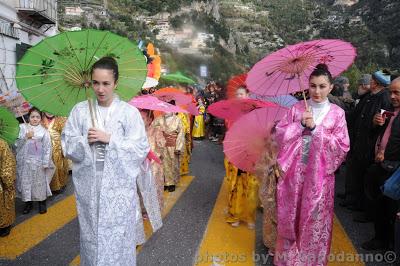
(108, 63)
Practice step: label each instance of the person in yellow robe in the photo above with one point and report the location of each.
(7, 188)
(198, 127)
(185, 158)
(242, 198)
(55, 125)
(243, 189)
(172, 129)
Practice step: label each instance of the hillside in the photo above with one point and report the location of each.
(231, 35)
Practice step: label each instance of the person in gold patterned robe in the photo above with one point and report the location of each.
(157, 143)
(172, 129)
(268, 172)
(185, 158)
(55, 126)
(7, 188)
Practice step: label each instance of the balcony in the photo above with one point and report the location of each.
(7, 29)
(41, 11)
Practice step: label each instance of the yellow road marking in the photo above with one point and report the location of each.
(223, 244)
(342, 248)
(169, 201)
(76, 261)
(234, 244)
(31, 232)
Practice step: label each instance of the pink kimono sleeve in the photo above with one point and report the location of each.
(289, 137)
(332, 143)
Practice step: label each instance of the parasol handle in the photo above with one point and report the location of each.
(302, 91)
(305, 99)
(90, 107)
(23, 118)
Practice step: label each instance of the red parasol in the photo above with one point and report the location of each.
(232, 109)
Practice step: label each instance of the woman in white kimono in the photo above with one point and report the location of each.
(106, 160)
(35, 166)
(148, 191)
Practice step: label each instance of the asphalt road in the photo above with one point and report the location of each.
(177, 242)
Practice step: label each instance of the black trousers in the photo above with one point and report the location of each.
(397, 240)
(354, 182)
(383, 209)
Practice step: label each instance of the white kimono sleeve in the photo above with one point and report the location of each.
(20, 142)
(47, 159)
(74, 142)
(134, 144)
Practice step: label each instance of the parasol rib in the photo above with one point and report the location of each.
(87, 45)
(44, 92)
(95, 51)
(55, 49)
(76, 56)
(38, 85)
(56, 61)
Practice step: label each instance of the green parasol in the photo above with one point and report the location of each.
(9, 126)
(178, 77)
(54, 75)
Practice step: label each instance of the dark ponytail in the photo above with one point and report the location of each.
(108, 63)
(322, 70)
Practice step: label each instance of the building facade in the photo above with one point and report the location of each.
(23, 23)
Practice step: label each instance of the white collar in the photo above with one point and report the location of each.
(316, 105)
(100, 120)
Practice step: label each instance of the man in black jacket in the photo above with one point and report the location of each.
(387, 159)
(363, 138)
(364, 85)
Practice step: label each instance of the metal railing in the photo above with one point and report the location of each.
(45, 7)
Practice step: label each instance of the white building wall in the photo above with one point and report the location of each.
(26, 34)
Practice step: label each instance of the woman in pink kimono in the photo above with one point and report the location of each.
(313, 143)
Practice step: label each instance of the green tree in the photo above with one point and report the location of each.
(353, 74)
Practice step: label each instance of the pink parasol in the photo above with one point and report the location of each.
(172, 94)
(191, 108)
(287, 70)
(281, 100)
(245, 140)
(152, 103)
(232, 109)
